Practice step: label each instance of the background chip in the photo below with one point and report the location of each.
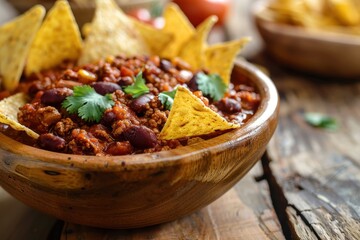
(58, 39)
(193, 50)
(178, 25)
(16, 38)
(219, 58)
(112, 32)
(156, 39)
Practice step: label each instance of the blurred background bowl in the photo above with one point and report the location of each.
(323, 53)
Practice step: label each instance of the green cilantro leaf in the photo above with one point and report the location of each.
(139, 87)
(167, 98)
(211, 85)
(321, 121)
(87, 103)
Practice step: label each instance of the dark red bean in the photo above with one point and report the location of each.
(125, 81)
(192, 84)
(165, 65)
(51, 142)
(140, 137)
(138, 105)
(104, 88)
(108, 118)
(55, 95)
(229, 105)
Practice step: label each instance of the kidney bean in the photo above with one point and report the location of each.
(138, 105)
(51, 142)
(104, 88)
(108, 118)
(140, 137)
(125, 81)
(229, 105)
(192, 84)
(55, 95)
(165, 65)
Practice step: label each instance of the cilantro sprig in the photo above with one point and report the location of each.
(321, 121)
(211, 85)
(87, 103)
(167, 98)
(139, 87)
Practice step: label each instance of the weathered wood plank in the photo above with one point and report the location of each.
(227, 218)
(317, 171)
(244, 212)
(18, 221)
(253, 190)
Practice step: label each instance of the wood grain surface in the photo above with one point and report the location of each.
(314, 173)
(240, 214)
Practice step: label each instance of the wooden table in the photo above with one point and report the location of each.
(307, 186)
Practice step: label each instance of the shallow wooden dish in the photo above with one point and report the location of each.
(145, 189)
(317, 52)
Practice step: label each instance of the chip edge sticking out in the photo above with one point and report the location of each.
(108, 11)
(32, 17)
(9, 107)
(168, 132)
(192, 51)
(155, 38)
(182, 32)
(220, 58)
(39, 58)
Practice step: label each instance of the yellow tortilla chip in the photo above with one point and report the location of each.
(177, 24)
(219, 58)
(192, 51)
(190, 117)
(58, 39)
(112, 32)
(9, 107)
(15, 41)
(155, 38)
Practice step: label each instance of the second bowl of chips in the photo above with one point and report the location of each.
(308, 46)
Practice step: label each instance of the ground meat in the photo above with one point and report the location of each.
(132, 125)
(38, 118)
(64, 127)
(83, 142)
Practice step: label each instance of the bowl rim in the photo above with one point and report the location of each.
(267, 110)
(298, 31)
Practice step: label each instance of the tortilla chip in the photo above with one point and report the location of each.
(58, 39)
(192, 51)
(85, 30)
(190, 117)
(112, 32)
(9, 107)
(178, 25)
(219, 58)
(15, 41)
(155, 38)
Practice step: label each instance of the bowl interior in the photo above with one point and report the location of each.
(266, 109)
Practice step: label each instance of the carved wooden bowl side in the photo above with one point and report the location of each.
(145, 189)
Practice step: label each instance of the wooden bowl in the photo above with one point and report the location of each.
(318, 52)
(145, 189)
